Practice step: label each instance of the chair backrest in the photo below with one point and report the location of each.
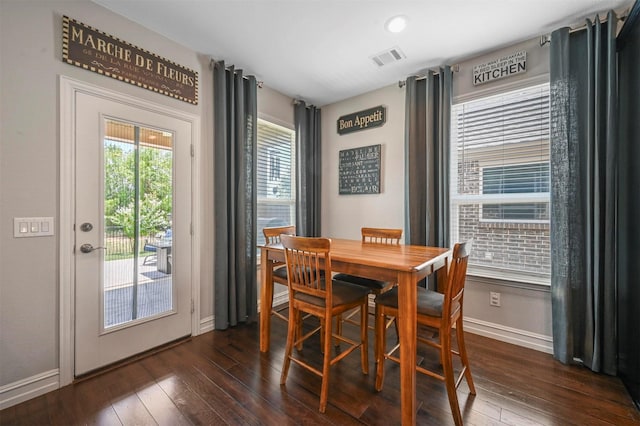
(272, 234)
(456, 279)
(308, 265)
(381, 235)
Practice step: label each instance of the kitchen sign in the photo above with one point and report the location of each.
(94, 50)
(362, 120)
(506, 66)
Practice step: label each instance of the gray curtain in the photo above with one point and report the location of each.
(628, 45)
(235, 135)
(427, 139)
(583, 194)
(308, 168)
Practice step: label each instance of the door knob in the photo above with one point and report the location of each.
(88, 248)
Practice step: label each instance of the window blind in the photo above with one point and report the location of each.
(500, 182)
(275, 176)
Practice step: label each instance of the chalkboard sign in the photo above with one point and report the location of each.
(359, 171)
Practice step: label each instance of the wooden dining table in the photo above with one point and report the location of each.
(404, 264)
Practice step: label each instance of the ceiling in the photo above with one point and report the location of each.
(320, 51)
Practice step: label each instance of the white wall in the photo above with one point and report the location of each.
(344, 215)
(30, 66)
(525, 315)
(537, 67)
(275, 107)
(31, 46)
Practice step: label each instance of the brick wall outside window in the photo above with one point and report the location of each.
(522, 247)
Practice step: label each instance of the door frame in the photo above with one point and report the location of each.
(66, 296)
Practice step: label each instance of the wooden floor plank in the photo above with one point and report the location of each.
(222, 378)
(558, 399)
(189, 402)
(264, 380)
(213, 394)
(32, 412)
(161, 407)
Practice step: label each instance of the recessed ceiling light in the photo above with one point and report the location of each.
(396, 24)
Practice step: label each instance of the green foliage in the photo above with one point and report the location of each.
(155, 173)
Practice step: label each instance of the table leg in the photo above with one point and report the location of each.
(407, 325)
(442, 273)
(266, 299)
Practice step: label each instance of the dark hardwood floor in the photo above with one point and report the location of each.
(221, 378)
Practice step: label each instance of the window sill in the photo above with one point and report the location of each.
(520, 280)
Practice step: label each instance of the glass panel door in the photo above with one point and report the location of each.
(138, 203)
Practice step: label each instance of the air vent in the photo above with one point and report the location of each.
(388, 56)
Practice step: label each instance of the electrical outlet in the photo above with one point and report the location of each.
(494, 298)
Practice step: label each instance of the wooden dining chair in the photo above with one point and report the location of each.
(436, 310)
(272, 236)
(371, 236)
(313, 291)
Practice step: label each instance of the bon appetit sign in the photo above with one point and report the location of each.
(94, 50)
(361, 120)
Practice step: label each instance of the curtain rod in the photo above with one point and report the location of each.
(212, 63)
(299, 101)
(546, 38)
(402, 83)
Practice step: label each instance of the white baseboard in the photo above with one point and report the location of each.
(31, 387)
(280, 298)
(527, 339)
(206, 324)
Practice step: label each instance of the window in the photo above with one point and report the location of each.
(500, 183)
(518, 179)
(275, 177)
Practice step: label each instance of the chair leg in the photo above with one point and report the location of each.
(395, 322)
(463, 356)
(339, 321)
(375, 326)
(380, 344)
(323, 327)
(364, 337)
(449, 378)
(291, 336)
(299, 331)
(326, 364)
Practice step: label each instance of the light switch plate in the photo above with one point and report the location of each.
(32, 227)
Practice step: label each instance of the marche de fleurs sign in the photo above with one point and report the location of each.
(94, 50)
(506, 66)
(362, 120)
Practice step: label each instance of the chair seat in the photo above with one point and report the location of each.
(280, 273)
(343, 294)
(429, 302)
(361, 281)
(313, 291)
(434, 310)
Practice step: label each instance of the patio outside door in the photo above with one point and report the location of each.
(132, 231)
